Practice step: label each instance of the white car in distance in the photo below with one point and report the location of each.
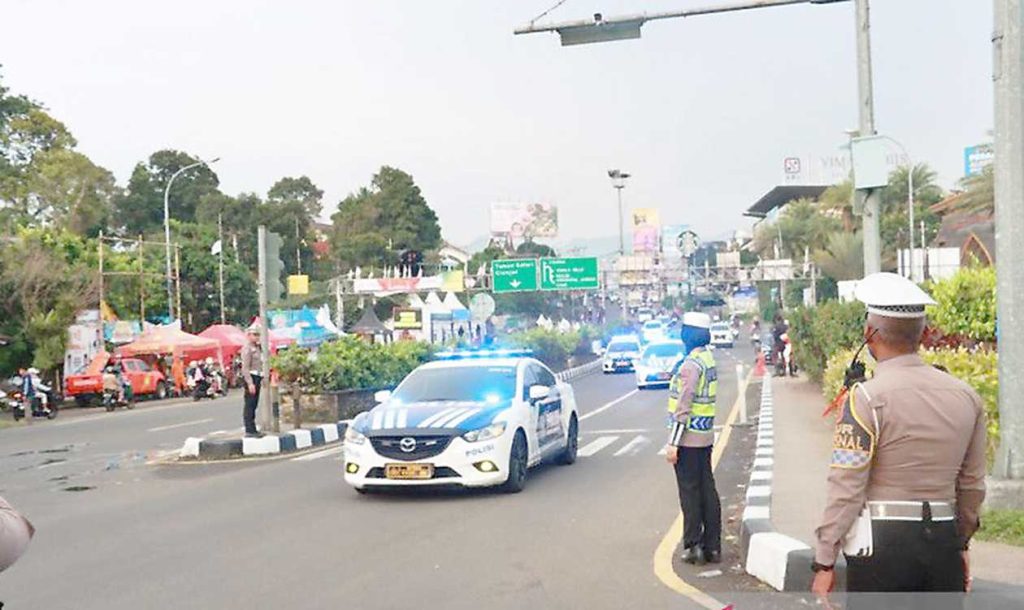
(657, 363)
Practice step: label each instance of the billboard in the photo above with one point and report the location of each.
(646, 229)
(522, 220)
(977, 158)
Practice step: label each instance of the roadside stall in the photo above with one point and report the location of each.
(370, 328)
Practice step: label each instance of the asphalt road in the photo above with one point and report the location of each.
(288, 532)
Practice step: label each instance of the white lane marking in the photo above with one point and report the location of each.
(378, 420)
(623, 431)
(428, 422)
(181, 425)
(389, 418)
(607, 406)
(454, 423)
(633, 447)
(596, 445)
(403, 418)
(318, 454)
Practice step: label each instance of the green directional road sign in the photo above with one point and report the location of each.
(569, 273)
(514, 275)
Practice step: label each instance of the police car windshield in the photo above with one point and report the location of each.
(663, 350)
(465, 383)
(619, 347)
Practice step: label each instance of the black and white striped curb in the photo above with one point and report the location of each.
(579, 371)
(296, 440)
(776, 559)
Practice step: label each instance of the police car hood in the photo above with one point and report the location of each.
(407, 418)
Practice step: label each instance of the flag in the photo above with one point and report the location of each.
(215, 250)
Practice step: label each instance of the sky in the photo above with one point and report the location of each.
(701, 111)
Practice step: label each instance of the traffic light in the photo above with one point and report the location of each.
(275, 267)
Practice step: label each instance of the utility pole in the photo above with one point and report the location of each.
(177, 277)
(339, 305)
(618, 183)
(265, 415)
(220, 265)
(1008, 48)
(100, 246)
(866, 108)
(298, 255)
(142, 286)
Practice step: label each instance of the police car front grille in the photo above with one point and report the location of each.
(426, 447)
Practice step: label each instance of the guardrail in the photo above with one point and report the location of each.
(579, 371)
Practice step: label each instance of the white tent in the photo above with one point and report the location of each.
(452, 302)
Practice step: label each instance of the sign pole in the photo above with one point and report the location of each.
(264, 400)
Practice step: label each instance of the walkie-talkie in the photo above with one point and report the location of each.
(855, 373)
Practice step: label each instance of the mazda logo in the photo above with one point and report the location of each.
(407, 444)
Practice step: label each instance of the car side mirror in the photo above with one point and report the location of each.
(539, 392)
(382, 396)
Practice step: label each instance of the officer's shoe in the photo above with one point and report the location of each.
(693, 555)
(713, 556)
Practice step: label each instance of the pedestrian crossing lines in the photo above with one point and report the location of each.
(624, 443)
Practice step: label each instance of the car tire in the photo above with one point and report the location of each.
(517, 465)
(572, 443)
(161, 390)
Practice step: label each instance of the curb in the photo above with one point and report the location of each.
(579, 371)
(288, 442)
(778, 560)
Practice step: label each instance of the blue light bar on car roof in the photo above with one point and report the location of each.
(483, 353)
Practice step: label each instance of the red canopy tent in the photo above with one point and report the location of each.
(162, 340)
(231, 339)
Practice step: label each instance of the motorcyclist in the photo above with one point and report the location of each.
(113, 378)
(42, 390)
(213, 375)
(28, 391)
(780, 329)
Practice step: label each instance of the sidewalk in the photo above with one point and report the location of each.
(803, 445)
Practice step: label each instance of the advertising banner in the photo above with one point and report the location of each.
(522, 220)
(670, 240)
(646, 229)
(977, 158)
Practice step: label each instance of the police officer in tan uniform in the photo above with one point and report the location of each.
(907, 475)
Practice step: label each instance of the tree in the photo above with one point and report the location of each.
(894, 220)
(979, 192)
(802, 225)
(301, 190)
(374, 224)
(141, 208)
(842, 258)
(531, 249)
(64, 188)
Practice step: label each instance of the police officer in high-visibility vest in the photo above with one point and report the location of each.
(691, 408)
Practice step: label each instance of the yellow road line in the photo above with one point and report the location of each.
(663, 554)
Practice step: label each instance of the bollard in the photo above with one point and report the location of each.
(741, 395)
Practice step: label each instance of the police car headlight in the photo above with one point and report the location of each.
(486, 433)
(354, 436)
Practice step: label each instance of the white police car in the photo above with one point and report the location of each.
(621, 354)
(473, 419)
(657, 363)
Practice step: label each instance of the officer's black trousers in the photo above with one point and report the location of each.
(251, 402)
(909, 556)
(702, 510)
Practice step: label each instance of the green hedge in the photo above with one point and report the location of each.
(979, 368)
(351, 364)
(966, 304)
(819, 332)
(551, 347)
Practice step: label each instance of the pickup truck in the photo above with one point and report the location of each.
(89, 384)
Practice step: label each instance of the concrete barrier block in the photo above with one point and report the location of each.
(302, 439)
(190, 448)
(330, 432)
(261, 446)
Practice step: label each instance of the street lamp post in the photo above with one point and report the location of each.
(167, 232)
(618, 183)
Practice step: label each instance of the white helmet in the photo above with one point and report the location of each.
(209, 360)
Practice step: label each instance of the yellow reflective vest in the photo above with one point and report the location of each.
(702, 413)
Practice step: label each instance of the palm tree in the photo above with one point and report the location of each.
(979, 192)
(837, 200)
(926, 191)
(843, 256)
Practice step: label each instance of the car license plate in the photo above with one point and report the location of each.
(663, 376)
(409, 471)
(622, 363)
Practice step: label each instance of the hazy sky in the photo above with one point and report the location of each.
(702, 111)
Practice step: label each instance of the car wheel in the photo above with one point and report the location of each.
(517, 465)
(161, 390)
(572, 443)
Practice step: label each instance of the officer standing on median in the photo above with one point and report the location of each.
(691, 407)
(252, 374)
(908, 464)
